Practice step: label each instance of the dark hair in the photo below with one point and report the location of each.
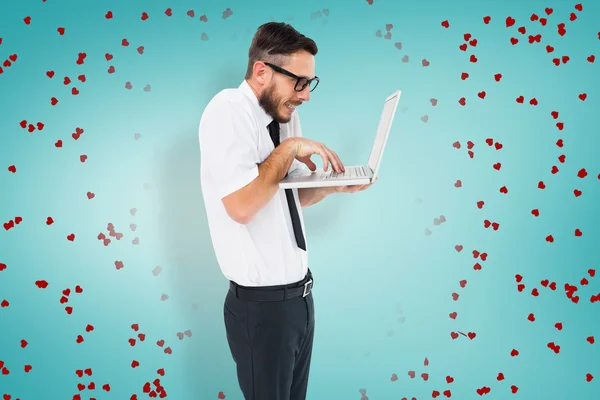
(274, 41)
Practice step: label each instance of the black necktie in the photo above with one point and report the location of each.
(274, 132)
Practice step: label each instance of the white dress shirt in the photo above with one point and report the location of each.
(234, 139)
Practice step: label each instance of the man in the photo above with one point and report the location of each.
(250, 138)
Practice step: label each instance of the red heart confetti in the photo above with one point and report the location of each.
(42, 284)
(533, 37)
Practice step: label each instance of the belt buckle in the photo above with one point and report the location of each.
(306, 289)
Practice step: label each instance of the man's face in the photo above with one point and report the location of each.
(279, 98)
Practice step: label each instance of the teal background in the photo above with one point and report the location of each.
(382, 285)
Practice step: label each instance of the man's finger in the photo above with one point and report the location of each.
(335, 163)
(337, 159)
(311, 165)
(324, 156)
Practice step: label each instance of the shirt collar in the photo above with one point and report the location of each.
(264, 118)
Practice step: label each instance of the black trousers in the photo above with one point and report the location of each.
(271, 343)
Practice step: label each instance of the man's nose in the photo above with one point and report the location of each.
(304, 95)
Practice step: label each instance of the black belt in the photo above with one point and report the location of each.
(273, 293)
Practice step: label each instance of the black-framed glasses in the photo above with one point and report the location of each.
(301, 82)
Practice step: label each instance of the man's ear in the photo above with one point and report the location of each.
(261, 72)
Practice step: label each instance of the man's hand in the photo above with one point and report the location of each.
(305, 148)
(353, 188)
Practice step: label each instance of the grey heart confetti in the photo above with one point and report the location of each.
(195, 306)
(398, 45)
(164, 297)
(427, 232)
(405, 59)
(388, 35)
(433, 102)
(133, 211)
(132, 227)
(204, 18)
(388, 27)
(188, 333)
(204, 36)
(136, 241)
(128, 85)
(402, 319)
(439, 221)
(180, 335)
(326, 12)
(227, 13)
(156, 271)
(137, 136)
(147, 88)
(316, 14)
(378, 33)
(424, 118)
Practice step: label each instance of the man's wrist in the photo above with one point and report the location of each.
(293, 145)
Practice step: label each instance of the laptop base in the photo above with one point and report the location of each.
(305, 178)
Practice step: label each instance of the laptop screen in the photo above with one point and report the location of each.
(385, 123)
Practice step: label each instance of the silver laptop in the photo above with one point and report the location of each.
(353, 175)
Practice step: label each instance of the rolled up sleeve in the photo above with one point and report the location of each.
(229, 147)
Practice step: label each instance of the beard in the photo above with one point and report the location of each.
(272, 103)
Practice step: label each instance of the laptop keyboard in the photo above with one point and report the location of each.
(351, 172)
